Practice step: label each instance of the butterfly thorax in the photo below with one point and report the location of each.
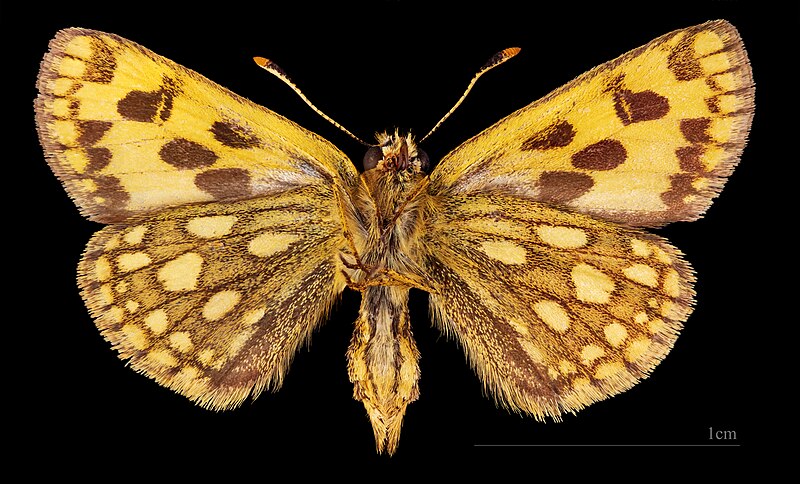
(392, 196)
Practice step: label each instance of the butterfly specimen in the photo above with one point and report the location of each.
(232, 231)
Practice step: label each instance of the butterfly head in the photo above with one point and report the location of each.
(396, 153)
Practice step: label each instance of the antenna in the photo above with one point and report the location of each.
(276, 71)
(493, 62)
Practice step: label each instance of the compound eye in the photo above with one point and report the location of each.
(424, 161)
(372, 157)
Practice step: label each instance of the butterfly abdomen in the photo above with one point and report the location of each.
(383, 361)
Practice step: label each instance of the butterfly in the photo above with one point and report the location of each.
(232, 230)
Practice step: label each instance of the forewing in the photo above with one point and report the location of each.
(555, 310)
(646, 139)
(129, 132)
(213, 300)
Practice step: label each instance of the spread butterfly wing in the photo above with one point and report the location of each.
(129, 132)
(227, 217)
(557, 309)
(646, 139)
(554, 310)
(213, 300)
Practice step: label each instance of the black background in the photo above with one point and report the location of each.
(372, 67)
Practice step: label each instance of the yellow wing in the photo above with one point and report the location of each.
(646, 139)
(555, 310)
(213, 300)
(223, 256)
(129, 132)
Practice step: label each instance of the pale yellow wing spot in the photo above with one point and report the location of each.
(566, 367)
(238, 341)
(641, 248)
(591, 352)
(116, 314)
(608, 370)
(642, 273)
(206, 356)
(504, 251)
(106, 294)
(656, 325)
(637, 349)
(553, 314)
(211, 227)
(252, 317)
(615, 334)
(220, 304)
(157, 321)
(562, 237)
(181, 341)
(661, 255)
(187, 375)
(533, 351)
(270, 243)
(591, 284)
(135, 336)
(181, 273)
(162, 358)
(135, 235)
(122, 287)
(671, 283)
(133, 261)
(102, 269)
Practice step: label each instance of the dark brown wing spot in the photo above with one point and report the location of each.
(140, 106)
(101, 66)
(696, 130)
(114, 195)
(233, 135)
(224, 183)
(713, 84)
(90, 132)
(680, 188)
(682, 61)
(690, 158)
(145, 106)
(72, 90)
(185, 154)
(635, 107)
(563, 186)
(74, 105)
(557, 135)
(713, 104)
(99, 158)
(603, 155)
(169, 89)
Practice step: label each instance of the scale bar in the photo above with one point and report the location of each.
(607, 445)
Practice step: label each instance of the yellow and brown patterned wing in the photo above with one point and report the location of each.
(554, 310)
(129, 132)
(213, 300)
(646, 139)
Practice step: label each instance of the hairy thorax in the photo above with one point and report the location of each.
(391, 200)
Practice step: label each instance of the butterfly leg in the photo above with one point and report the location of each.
(381, 276)
(357, 263)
